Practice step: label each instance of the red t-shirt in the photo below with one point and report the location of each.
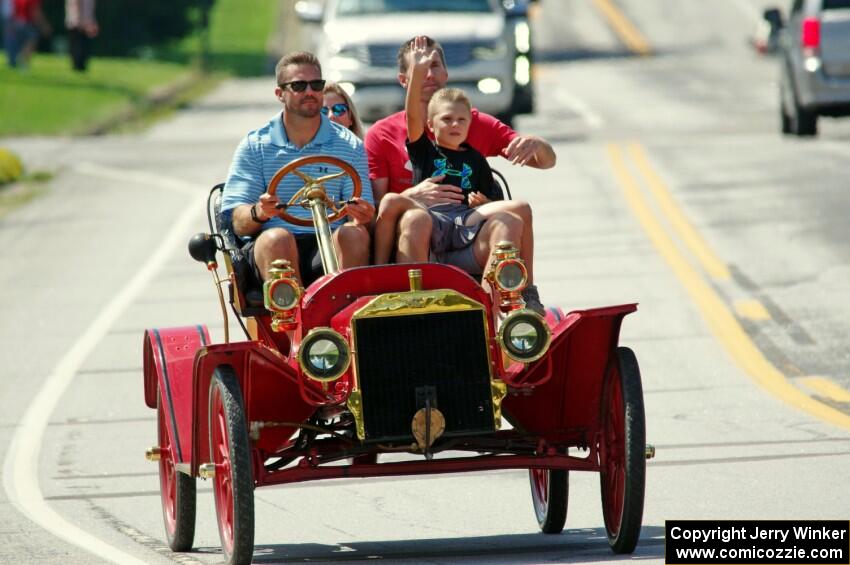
(385, 146)
(25, 9)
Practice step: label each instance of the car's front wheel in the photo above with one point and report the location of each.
(623, 453)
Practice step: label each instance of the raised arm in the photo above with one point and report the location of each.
(421, 58)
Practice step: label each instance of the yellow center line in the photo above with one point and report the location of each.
(697, 245)
(720, 319)
(628, 33)
(826, 388)
(751, 309)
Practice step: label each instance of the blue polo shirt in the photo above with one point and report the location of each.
(264, 151)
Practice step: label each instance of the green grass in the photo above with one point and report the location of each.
(49, 98)
(237, 37)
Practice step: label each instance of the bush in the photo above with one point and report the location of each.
(11, 168)
(126, 26)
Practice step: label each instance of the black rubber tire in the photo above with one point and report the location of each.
(785, 119)
(625, 537)
(242, 480)
(185, 502)
(804, 122)
(552, 514)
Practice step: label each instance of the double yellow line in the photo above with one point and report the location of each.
(713, 308)
(628, 33)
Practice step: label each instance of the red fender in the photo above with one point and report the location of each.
(270, 392)
(169, 356)
(560, 394)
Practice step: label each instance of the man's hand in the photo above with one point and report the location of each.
(477, 199)
(421, 56)
(530, 150)
(430, 192)
(266, 208)
(522, 149)
(361, 211)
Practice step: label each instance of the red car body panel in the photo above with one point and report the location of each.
(565, 395)
(555, 399)
(169, 356)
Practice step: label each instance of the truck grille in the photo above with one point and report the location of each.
(457, 54)
(403, 359)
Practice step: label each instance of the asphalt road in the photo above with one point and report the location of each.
(673, 189)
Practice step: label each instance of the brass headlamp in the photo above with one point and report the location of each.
(509, 275)
(324, 355)
(282, 294)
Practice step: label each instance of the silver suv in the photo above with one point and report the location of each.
(815, 57)
(358, 41)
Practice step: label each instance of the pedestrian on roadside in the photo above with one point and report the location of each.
(339, 108)
(28, 21)
(82, 27)
(7, 11)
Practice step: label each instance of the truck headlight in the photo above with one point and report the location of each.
(524, 336)
(522, 37)
(324, 355)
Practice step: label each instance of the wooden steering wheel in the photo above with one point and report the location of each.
(314, 188)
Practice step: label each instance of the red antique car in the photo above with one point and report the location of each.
(416, 359)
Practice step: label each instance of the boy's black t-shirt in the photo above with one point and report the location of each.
(467, 169)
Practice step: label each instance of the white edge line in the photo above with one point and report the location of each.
(20, 471)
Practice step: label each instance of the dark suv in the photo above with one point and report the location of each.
(815, 58)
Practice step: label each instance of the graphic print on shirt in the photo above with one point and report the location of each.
(442, 167)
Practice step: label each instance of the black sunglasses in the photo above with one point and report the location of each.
(337, 109)
(317, 85)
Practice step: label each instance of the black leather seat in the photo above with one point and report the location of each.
(247, 297)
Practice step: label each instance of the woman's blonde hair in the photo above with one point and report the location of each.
(356, 124)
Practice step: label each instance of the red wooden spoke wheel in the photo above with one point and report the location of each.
(304, 161)
(550, 494)
(233, 485)
(623, 453)
(177, 491)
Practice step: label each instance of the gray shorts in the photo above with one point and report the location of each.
(451, 238)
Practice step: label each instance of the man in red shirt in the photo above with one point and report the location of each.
(390, 170)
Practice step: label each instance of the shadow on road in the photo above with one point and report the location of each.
(575, 546)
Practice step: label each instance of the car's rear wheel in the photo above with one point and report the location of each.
(550, 491)
(623, 453)
(784, 117)
(177, 491)
(804, 122)
(233, 484)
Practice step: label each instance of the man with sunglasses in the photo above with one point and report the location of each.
(390, 170)
(299, 130)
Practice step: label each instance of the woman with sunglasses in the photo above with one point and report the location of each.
(339, 108)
